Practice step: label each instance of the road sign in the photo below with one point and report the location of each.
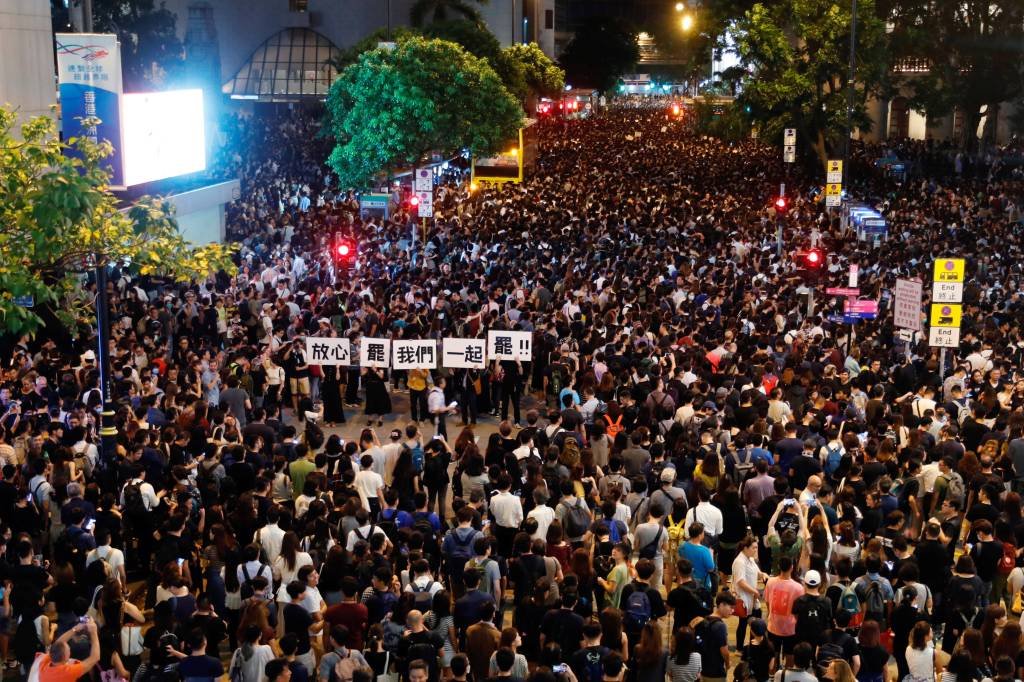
(789, 137)
(947, 292)
(861, 309)
(854, 273)
(423, 180)
(907, 309)
(24, 301)
(944, 337)
(842, 291)
(789, 153)
(835, 171)
(833, 201)
(946, 315)
(426, 206)
(833, 189)
(949, 270)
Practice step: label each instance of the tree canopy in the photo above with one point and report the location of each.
(601, 50)
(796, 55)
(425, 11)
(59, 219)
(393, 106)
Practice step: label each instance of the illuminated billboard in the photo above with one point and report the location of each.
(162, 135)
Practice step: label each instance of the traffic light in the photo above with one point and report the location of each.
(414, 201)
(811, 263)
(781, 205)
(344, 252)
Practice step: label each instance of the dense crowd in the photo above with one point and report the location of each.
(697, 451)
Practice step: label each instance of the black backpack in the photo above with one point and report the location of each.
(134, 504)
(26, 642)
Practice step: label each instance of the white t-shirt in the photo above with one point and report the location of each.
(111, 555)
(544, 515)
(361, 533)
(290, 574)
(367, 483)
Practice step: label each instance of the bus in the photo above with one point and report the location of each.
(514, 163)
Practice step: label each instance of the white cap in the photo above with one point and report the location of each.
(812, 578)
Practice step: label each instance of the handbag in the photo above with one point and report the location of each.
(111, 676)
(388, 676)
(131, 640)
(885, 640)
(741, 608)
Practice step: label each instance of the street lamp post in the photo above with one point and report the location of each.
(850, 84)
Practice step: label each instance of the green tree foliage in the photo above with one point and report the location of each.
(796, 53)
(473, 36)
(393, 106)
(59, 219)
(151, 53)
(975, 53)
(351, 55)
(542, 76)
(425, 11)
(725, 121)
(602, 50)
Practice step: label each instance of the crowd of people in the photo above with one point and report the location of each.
(684, 450)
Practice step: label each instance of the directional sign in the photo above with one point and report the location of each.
(862, 307)
(944, 337)
(789, 137)
(24, 301)
(947, 292)
(949, 270)
(424, 180)
(789, 153)
(946, 315)
(907, 309)
(854, 273)
(426, 206)
(842, 291)
(833, 201)
(835, 171)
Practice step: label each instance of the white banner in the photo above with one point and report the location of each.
(907, 309)
(374, 352)
(414, 355)
(327, 351)
(464, 353)
(502, 345)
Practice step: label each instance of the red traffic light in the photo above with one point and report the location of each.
(414, 201)
(812, 259)
(781, 204)
(344, 249)
(675, 109)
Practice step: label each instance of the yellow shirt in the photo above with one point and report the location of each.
(418, 379)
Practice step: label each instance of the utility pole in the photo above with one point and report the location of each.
(850, 85)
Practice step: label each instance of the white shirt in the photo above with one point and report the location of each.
(289, 574)
(423, 581)
(367, 482)
(507, 510)
(149, 498)
(111, 555)
(544, 515)
(270, 537)
(746, 569)
(435, 400)
(707, 514)
(361, 533)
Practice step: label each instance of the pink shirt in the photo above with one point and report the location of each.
(780, 594)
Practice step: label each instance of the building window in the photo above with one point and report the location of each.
(298, 5)
(290, 65)
(549, 19)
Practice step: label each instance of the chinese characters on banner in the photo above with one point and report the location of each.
(375, 353)
(414, 355)
(464, 353)
(503, 345)
(325, 351)
(455, 353)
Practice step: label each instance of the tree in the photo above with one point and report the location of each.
(58, 219)
(394, 106)
(474, 37)
(602, 50)
(973, 53)
(541, 76)
(350, 55)
(796, 55)
(440, 10)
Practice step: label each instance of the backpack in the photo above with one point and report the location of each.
(613, 428)
(875, 604)
(392, 635)
(828, 652)
(66, 548)
(422, 597)
(614, 534)
(577, 519)
(1008, 561)
(417, 457)
(744, 466)
(956, 490)
(650, 550)
(702, 632)
(833, 457)
(388, 524)
(549, 472)
(343, 670)
(26, 642)
(247, 579)
(134, 504)
(850, 603)
(676, 534)
(638, 610)
(701, 595)
(369, 533)
(462, 550)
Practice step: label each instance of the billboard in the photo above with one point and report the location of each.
(163, 135)
(89, 78)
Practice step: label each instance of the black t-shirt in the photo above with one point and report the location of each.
(654, 596)
(813, 617)
(873, 660)
(986, 557)
(715, 635)
(200, 667)
(686, 603)
(298, 620)
(563, 626)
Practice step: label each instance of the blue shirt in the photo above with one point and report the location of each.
(702, 560)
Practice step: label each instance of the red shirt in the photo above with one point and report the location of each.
(354, 616)
(68, 671)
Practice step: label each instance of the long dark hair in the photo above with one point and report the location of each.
(686, 644)
(648, 651)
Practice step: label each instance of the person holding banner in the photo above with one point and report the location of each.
(378, 400)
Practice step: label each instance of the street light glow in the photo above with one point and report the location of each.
(686, 22)
(680, 7)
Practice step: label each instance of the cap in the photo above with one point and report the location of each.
(323, 320)
(708, 405)
(668, 475)
(721, 392)
(812, 578)
(757, 626)
(88, 355)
